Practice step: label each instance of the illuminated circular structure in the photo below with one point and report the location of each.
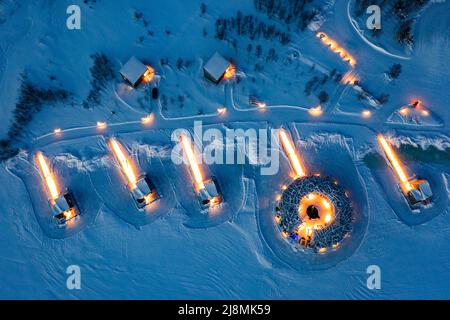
(314, 212)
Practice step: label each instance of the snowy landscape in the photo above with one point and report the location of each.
(364, 110)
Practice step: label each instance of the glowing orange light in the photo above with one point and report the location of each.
(124, 162)
(147, 119)
(148, 74)
(50, 181)
(349, 78)
(278, 197)
(193, 163)
(366, 114)
(69, 214)
(416, 105)
(277, 219)
(149, 198)
(261, 105)
(229, 72)
(395, 162)
(404, 111)
(288, 147)
(215, 201)
(336, 48)
(416, 102)
(315, 111)
(57, 131)
(222, 110)
(101, 124)
(322, 250)
(326, 203)
(325, 209)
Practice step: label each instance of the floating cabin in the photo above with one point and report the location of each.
(417, 192)
(210, 195)
(134, 72)
(420, 194)
(216, 67)
(64, 208)
(144, 192)
(63, 205)
(141, 187)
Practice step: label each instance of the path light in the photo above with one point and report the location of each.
(222, 110)
(366, 114)
(101, 125)
(147, 119)
(315, 111)
(404, 111)
(261, 105)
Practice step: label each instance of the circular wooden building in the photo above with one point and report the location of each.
(314, 212)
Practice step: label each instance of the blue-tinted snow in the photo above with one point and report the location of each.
(178, 252)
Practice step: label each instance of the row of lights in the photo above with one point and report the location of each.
(144, 120)
(336, 48)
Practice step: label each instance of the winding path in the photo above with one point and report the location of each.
(359, 32)
(235, 113)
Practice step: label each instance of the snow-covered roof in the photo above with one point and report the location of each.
(133, 70)
(422, 192)
(61, 205)
(216, 66)
(210, 187)
(143, 186)
(209, 192)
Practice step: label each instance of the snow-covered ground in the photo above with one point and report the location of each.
(173, 250)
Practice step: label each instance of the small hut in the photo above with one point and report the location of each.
(420, 194)
(216, 67)
(134, 71)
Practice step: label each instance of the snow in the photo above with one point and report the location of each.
(376, 47)
(172, 250)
